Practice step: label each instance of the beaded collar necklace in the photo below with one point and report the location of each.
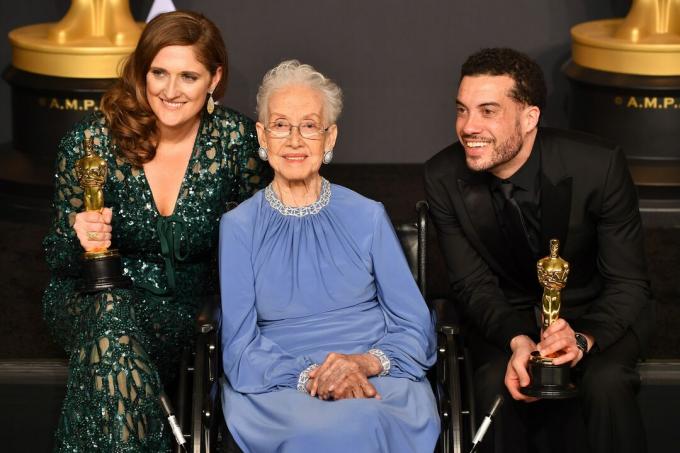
(276, 204)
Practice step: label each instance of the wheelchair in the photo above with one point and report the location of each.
(199, 410)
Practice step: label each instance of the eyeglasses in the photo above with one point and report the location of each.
(308, 129)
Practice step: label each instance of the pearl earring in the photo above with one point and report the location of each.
(328, 157)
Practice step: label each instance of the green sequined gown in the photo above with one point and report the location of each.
(123, 343)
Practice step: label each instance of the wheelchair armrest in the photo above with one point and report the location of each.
(209, 314)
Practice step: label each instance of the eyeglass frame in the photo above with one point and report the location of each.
(290, 132)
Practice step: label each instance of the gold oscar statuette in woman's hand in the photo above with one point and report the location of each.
(102, 268)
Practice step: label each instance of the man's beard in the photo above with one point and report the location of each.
(501, 153)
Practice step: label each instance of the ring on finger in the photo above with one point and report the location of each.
(92, 235)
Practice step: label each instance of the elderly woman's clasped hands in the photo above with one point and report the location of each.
(344, 376)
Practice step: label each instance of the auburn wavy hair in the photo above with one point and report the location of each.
(131, 121)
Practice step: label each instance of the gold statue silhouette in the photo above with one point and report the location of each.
(651, 21)
(552, 275)
(106, 21)
(89, 42)
(91, 172)
(646, 42)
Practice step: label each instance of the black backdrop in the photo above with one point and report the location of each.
(397, 60)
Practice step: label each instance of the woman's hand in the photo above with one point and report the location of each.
(93, 229)
(343, 376)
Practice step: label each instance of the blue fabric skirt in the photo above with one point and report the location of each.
(404, 420)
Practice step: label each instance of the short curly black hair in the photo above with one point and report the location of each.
(530, 86)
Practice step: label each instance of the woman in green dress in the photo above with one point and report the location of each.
(175, 162)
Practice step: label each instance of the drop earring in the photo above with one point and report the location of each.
(262, 152)
(210, 105)
(328, 157)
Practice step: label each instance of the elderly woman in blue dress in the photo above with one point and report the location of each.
(326, 338)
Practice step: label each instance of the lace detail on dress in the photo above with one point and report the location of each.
(111, 402)
(301, 211)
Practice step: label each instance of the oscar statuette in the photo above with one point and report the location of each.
(102, 268)
(548, 380)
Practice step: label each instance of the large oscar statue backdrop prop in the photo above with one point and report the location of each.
(547, 379)
(625, 80)
(59, 72)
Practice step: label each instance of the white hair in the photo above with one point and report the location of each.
(292, 72)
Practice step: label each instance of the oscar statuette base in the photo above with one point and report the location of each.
(103, 270)
(548, 381)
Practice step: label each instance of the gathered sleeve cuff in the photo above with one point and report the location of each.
(304, 377)
(385, 363)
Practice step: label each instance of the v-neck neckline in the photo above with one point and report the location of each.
(192, 156)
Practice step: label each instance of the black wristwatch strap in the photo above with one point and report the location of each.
(581, 342)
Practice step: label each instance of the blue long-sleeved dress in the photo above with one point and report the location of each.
(299, 283)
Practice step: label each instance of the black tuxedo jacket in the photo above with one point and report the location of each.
(588, 202)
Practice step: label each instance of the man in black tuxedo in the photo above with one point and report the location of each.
(496, 198)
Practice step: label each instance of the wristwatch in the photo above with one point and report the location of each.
(581, 342)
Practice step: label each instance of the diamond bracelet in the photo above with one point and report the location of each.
(384, 361)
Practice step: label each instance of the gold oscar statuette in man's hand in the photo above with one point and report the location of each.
(548, 380)
(102, 268)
